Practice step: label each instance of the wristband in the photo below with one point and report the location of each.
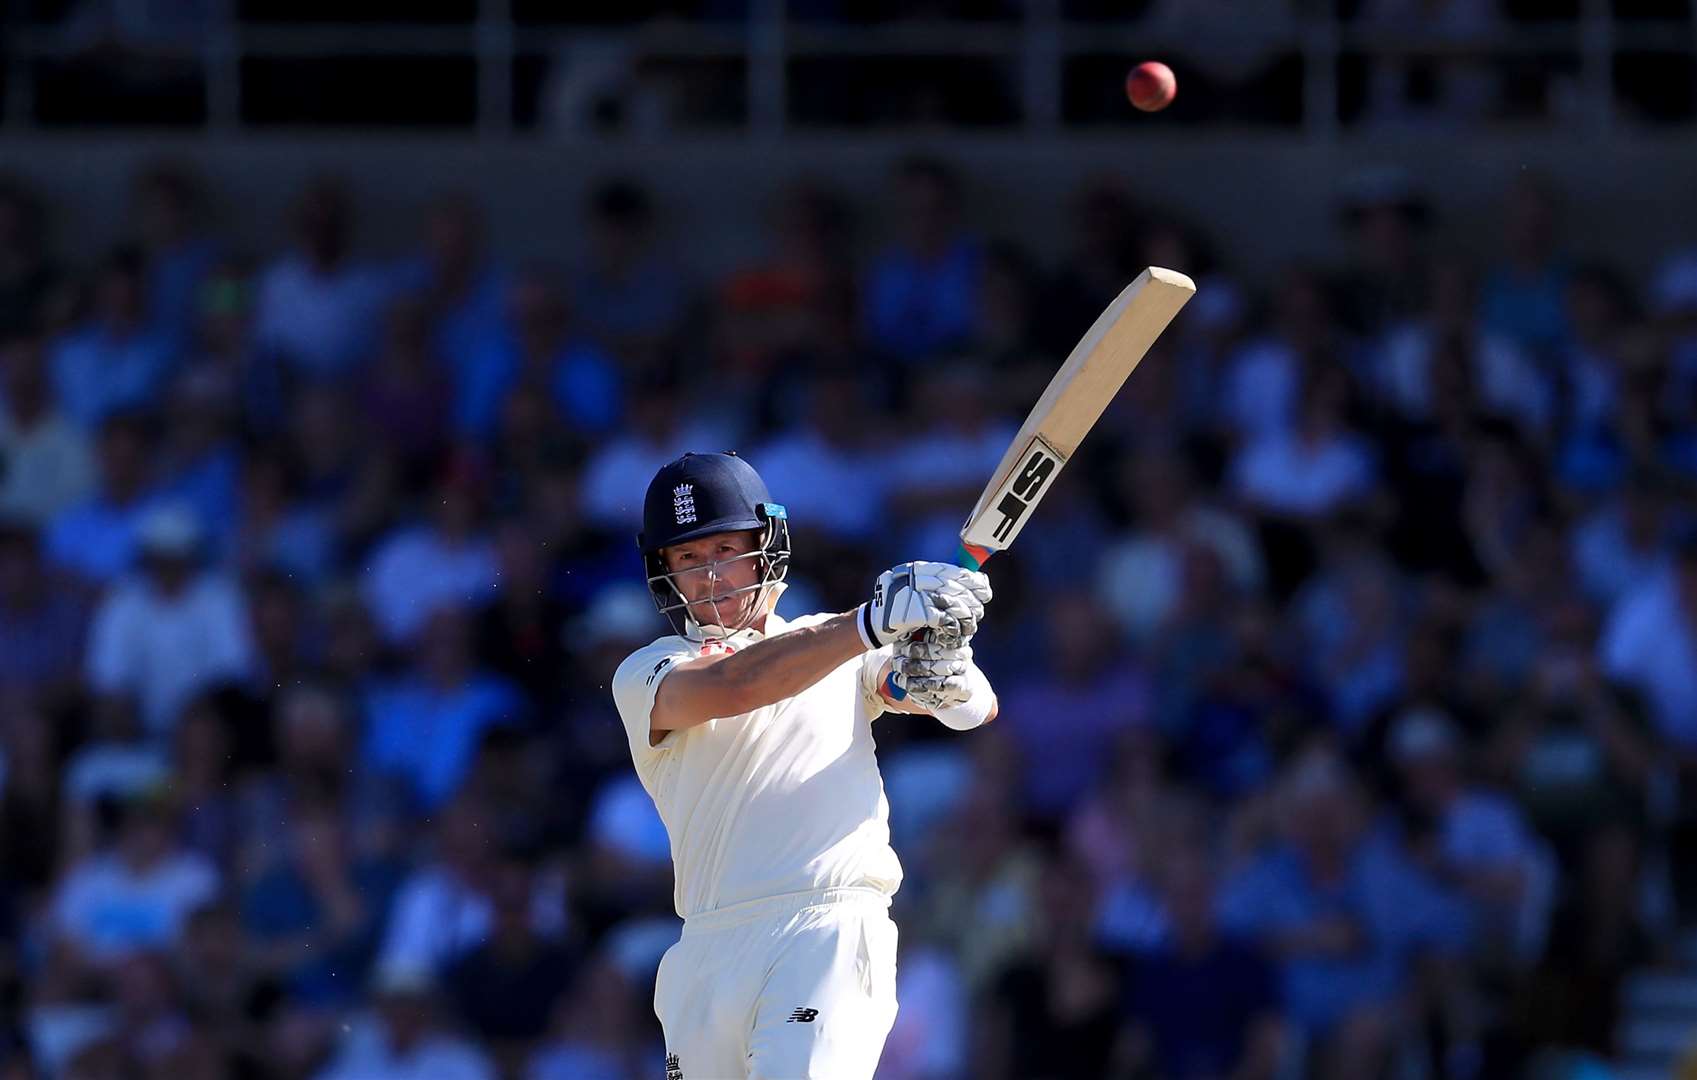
(863, 623)
(974, 710)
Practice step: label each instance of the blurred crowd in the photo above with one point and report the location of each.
(1348, 676)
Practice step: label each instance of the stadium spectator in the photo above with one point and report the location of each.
(447, 905)
(96, 538)
(423, 726)
(1524, 296)
(921, 294)
(136, 894)
(114, 359)
(49, 464)
(630, 295)
(174, 629)
(166, 205)
(1651, 640)
(407, 1040)
(537, 346)
(319, 307)
(447, 564)
(43, 622)
(1202, 1004)
(458, 278)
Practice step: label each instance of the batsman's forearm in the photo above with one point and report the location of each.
(781, 667)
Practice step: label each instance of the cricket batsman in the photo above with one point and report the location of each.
(753, 735)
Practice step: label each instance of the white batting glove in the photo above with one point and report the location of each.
(934, 596)
(932, 673)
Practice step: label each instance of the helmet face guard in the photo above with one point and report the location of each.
(773, 558)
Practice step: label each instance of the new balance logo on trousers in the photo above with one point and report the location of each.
(802, 1016)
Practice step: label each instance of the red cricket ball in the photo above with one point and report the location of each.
(1151, 86)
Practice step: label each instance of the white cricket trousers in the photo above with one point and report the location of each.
(783, 988)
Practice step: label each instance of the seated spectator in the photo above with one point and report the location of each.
(150, 1024)
(1203, 1004)
(137, 894)
(660, 429)
(1623, 542)
(1086, 680)
(959, 447)
(1524, 295)
(1314, 469)
(43, 621)
(203, 774)
(1344, 913)
(596, 1031)
(115, 762)
(447, 564)
(406, 394)
(1125, 834)
(1261, 390)
(921, 294)
(49, 463)
(1351, 617)
(447, 906)
(1577, 752)
(1474, 838)
(630, 298)
(313, 736)
(424, 726)
(537, 346)
(1597, 936)
(826, 465)
(628, 868)
(1141, 576)
(519, 635)
(96, 538)
(798, 295)
(461, 284)
(1054, 1010)
(506, 989)
(285, 653)
(200, 459)
(174, 629)
(979, 899)
(319, 307)
(223, 990)
(315, 907)
(113, 361)
(166, 205)
(1650, 644)
(1500, 377)
(273, 529)
(407, 1040)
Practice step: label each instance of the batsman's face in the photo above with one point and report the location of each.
(709, 574)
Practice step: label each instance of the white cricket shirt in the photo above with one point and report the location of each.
(784, 799)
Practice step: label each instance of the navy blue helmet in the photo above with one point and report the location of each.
(701, 494)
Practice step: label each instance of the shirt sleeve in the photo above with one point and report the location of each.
(635, 685)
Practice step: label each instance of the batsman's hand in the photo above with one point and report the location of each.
(932, 672)
(935, 596)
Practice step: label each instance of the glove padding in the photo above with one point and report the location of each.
(934, 596)
(932, 672)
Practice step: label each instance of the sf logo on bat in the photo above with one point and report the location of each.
(1028, 482)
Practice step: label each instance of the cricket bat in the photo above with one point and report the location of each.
(1093, 373)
